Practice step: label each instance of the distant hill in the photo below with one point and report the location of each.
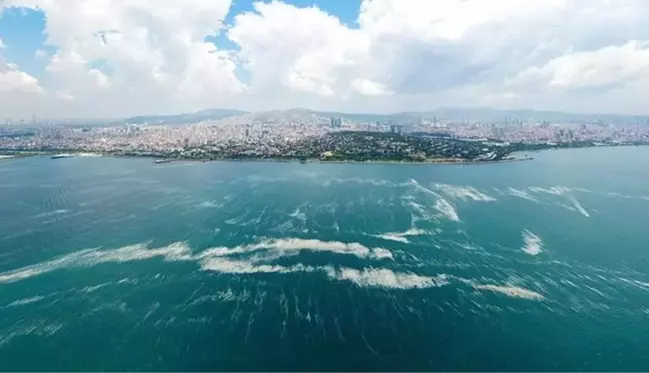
(185, 118)
(492, 115)
(487, 114)
(363, 117)
(469, 114)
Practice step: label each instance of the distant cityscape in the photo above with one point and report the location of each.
(295, 133)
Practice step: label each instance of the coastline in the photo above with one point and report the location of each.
(7, 155)
(441, 162)
(322, 161)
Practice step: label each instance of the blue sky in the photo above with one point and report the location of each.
(22, 31)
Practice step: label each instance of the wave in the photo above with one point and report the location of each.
(22, 302)
(512, 291)
(316, 178)
(91, 257)
(521, 194)
(533, 243)
(578, 206)
(39, 328)
(237, 219)
(446, 209)
(373, 182)
(555, 190)
(52, 213)
(228, 296)
(636, 283)
(90, 289)
(368, 277)
(298, 214)
(224, 265)
(209, 204)
(415, 184)
(300, 244)
(386, 278)
(380, 253)
(401, 236)
(464, 193)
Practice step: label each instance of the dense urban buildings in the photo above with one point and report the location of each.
(304, 135)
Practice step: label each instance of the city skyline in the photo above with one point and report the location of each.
(98, 60)
(461, 114)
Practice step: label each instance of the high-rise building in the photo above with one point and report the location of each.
(336, 122)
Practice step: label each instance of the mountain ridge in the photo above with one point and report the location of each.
(461, 114)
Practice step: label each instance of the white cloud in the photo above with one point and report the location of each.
(428, 53)
(155, 52)
(300, 49)
(125, 57)
(611, 66)
(18, 90)
(14, 81)
(369, 88)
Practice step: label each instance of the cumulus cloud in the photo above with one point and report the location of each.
(155, 51)
(611, 66)
(450, 52)
(151, 56)
(14, 81)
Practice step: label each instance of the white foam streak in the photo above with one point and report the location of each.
(533, 245)
(386, 278)
(464, 193)
(298, 244)
(368, 277)
(578, 206)
(636, 283)
(22, 302)
(210, 204)
(380, 253)
(87, 258)
(446, 209)
(522, 194)
(298, 214)
(224, 265)
(401, 236)
(392, 237)
(512, 291)
(52, 213)
(414, 183)
(555, 190)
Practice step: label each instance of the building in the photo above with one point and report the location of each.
(336, 122)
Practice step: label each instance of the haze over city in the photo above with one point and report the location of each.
(98, 59)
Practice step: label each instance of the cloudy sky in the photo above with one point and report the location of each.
(111, 58)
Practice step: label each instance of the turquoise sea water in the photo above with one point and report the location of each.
(120, 264)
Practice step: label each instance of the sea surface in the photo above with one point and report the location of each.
(121, 264)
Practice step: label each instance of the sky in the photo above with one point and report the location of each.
(116, 58)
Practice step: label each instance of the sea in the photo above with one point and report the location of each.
(118, 264)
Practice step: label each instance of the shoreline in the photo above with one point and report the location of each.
(11, 154)
(273, 160)
(320, 161)
(441, 162)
